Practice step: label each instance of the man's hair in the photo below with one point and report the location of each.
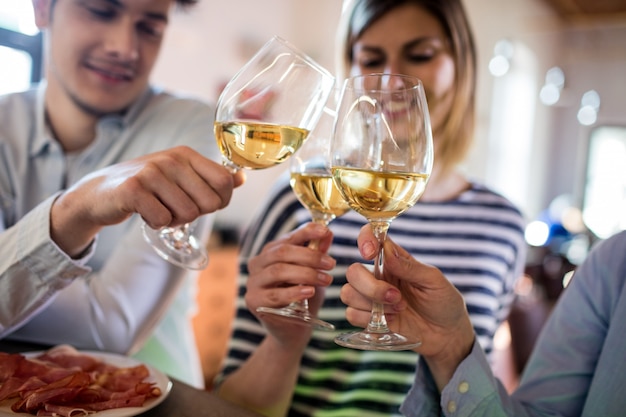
(186, 3)
(180, 3)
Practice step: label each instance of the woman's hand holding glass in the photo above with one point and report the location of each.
(312, 182)
(287, 270)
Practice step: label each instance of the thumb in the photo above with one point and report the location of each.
(239, 178)
(367, 243)
(402, 268)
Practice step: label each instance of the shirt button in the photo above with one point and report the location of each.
(463, 387)
(451, 407)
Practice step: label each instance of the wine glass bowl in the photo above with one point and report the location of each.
(263, 115)
(382, 156)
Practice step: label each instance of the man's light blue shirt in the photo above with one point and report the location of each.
(121, 296)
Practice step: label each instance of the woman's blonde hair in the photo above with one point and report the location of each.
(454, 139)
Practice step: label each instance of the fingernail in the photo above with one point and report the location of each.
(323, 278)
(368, 249)
(307, 291)
(328, 262)
(393, 296)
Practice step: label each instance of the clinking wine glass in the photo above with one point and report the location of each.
(263, 116)
(382, 156)
(267, 110)
(312, 183)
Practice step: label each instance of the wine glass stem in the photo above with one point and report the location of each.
(230, 166)
(378, 322)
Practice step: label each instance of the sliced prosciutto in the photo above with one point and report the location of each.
(65, 382)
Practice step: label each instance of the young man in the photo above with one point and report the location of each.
(87, 155)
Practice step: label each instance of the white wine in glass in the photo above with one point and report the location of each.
(313, 185)
(253, 145)
(263, 115)
(266, 111)
(382, 156)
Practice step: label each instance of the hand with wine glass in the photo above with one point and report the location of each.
(311, 181)
(264, 114)
(419, 298)
(382, 157)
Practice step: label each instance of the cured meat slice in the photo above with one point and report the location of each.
(65, 382)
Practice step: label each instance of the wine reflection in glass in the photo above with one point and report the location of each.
(264, 114)
(313, 185)
(382, 156)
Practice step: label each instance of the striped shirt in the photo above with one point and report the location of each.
(476, 240)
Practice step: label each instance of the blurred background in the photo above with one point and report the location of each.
(551, 132)
(551, 103)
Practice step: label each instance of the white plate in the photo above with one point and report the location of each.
(161, 380)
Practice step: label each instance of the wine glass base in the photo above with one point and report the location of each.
(297, 316)
(189, 253)
(365, 340)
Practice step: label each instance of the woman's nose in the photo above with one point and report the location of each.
(394, 67)
(398, 83)
(393, 82)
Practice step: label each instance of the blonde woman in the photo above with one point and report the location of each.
(471, 233)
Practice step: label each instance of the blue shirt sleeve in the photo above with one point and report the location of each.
(575, 368)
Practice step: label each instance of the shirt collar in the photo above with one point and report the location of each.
(43, 136)
(138, 106)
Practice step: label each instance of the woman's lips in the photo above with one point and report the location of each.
(398, 108)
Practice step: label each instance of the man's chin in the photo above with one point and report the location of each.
(100, 109)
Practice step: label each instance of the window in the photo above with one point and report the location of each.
(512, 123)
(604, 205)
(21, 46)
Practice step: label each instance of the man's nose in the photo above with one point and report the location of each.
(122, 41)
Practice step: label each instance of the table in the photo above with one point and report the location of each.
(187, 401)
(183, 400)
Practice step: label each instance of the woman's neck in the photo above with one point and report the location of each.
(445, 186)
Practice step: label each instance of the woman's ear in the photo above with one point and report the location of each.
(42, 12)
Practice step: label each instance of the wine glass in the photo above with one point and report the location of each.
(263, 116)
(382, 156)
(312, 183)
(267, 110)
